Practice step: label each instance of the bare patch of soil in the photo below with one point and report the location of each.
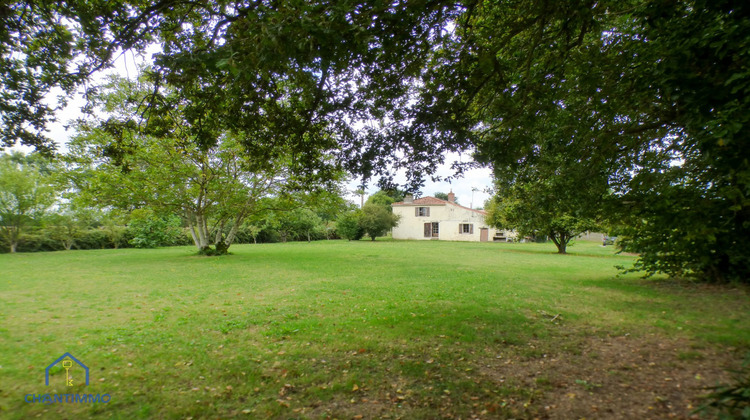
(618, 377)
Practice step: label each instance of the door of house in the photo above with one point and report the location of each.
(484, 234)
(432, 230)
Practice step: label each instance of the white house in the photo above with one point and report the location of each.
(433, 218)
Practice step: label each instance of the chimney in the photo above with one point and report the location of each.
(408, 198)
(451, 197)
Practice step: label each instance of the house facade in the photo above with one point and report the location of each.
(431, 218)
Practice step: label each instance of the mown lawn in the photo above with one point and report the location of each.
(372, 329)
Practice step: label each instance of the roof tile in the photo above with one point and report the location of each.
(432, 201)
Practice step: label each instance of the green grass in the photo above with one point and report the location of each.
(333, 328)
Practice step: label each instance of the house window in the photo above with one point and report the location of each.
(466, 228)
(431, 230)
(422, 211)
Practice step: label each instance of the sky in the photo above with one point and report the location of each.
(470, 189)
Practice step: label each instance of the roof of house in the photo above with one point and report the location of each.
(432, 201)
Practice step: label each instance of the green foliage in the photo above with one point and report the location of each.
(150, 230)
(113, 226)
(26, 193)
(731, 401)
(348, 226)
(542, 86)
(64, 228)
(380, 198)
(620, 90)
(42, 239)
(376, 220)
(210, 181)
(54, 46)
(444, 196)
(386, 197)
(538, 205)
(297, 223)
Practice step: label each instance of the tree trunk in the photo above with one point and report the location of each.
(193, 234)
(198, 231)
(560, 240)
(233, 231)
(13, 234)
(219, 233)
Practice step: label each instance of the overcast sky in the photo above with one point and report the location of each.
(470, 190)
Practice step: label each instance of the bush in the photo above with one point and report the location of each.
(731, 401)
(348, 226)
(150, 230)
(38, 241)
(376, 220)
(93, 239)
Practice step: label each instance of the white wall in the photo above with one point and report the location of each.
(448, 216)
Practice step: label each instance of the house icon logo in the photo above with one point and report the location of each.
(67, 363)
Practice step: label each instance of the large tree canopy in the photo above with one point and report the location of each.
(646, 102)
(214, 187)
(315, 76)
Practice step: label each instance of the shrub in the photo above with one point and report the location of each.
(348, 226)
(376, 220)
(731, 401)
(150, 230)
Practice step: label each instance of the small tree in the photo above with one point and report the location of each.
(348, 225)
(538, 208)
(385, 198)
(296, 223)
(113, 226)
(64, 227)
(376, 220)
(26, 193)
(151, 230)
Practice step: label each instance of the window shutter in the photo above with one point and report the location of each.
(428, 230)
(460, 228)
(416, 211)
(471, 228)
(428, 212)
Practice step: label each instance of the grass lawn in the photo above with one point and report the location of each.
(372, 329)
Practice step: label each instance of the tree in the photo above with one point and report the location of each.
(64, 228)
(539, 209)
(625, 88)
(58, 45)
(26, 193)
(348, 225)
(377, 220)
(303, 76)
(444, 196)
(296, 223)
(113, 225)
(649, 99)
(214, 185)
(380, 198)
